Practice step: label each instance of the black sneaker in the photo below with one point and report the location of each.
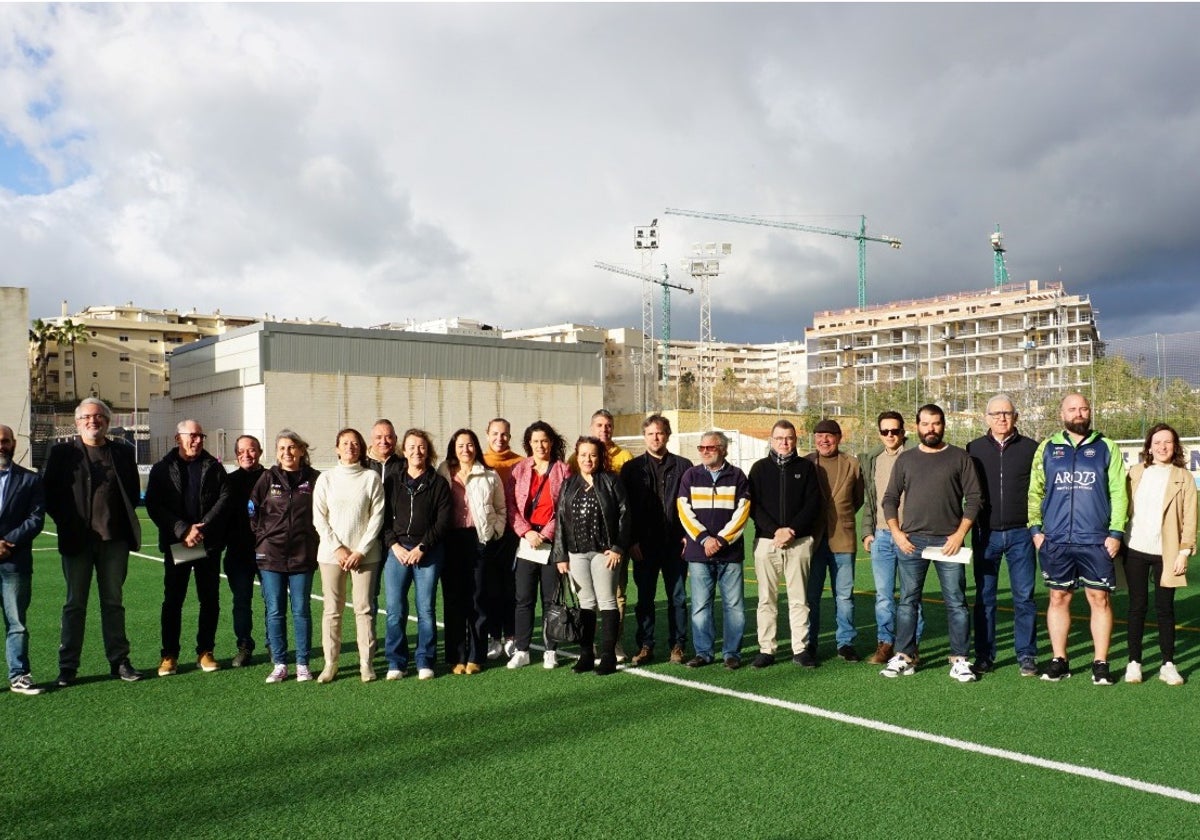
(66, 676)
(24, 684)
(125, 671)
(805, 659)
(848, 653)
(1058, 669)
(983, 666)
(763, 660)
(698, 661)
(1100, 674)
(732, 663)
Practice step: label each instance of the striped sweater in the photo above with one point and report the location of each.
(714, 506)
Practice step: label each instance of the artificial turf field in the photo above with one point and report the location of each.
(660, 751)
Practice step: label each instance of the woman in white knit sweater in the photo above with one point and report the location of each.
(348, 515)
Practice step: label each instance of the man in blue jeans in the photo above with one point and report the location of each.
(714, 506)
(877, 471)
(1005, 459)
(22, 515)
(841, 483)
(939, 486)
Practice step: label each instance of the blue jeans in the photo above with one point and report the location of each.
(15, 590)
(1017, 545)
(400, 579)
(666, 561)
(110, 559)
(883, 567)
(280, 588)
(953, 580)
(841, 571)
(705, 578)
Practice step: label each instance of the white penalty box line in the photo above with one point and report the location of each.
(917, 735)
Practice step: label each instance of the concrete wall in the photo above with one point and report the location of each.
(14, 376)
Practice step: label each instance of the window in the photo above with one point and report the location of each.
(124, 357)
(125, 398)
(154, 339)
(95, 375)
(122, 338)
(123, 376)
(153, 359)
(154, 377)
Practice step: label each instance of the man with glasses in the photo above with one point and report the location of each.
(1005, 459)
(92, 488)
(187, 497)
(714, 506)
(841, 483)
(877, 468)
(785, 503)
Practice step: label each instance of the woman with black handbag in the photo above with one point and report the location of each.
(537, 482)
(593, 533)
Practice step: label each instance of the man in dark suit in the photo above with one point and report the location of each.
(92, 488)
(22, 514)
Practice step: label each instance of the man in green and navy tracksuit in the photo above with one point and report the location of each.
(1077, 511)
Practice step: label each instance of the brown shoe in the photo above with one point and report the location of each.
(677, 655)
(460, 668)
(472, 668)
(168, 666)
(883, 652)
(208, 662)
(644, 655)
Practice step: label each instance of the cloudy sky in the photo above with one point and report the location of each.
(375, 163)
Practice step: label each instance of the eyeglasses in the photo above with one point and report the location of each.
(1002, 414)
(704, 447)
(193, 435)
(891, 432)
(94, 418)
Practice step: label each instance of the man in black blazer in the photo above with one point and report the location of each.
(92, 489)
(22, 514)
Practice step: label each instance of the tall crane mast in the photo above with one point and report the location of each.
(648, 324)
(999, 267)
(860, 236)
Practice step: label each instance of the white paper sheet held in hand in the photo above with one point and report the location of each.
(934, 553)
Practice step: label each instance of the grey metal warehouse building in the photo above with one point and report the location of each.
(318, 379)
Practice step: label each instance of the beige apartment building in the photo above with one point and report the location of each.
(124, 359)
(1020, 338)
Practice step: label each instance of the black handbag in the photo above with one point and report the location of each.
(561, 622)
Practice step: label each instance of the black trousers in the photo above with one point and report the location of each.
(1139, 568)
(528, 576)
(208, 589)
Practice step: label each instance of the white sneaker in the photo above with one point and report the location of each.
(620, 652)
(1169, 674)
(898, 666)
(550, 660)
(1133, 673)
(278, 674)
(425, 674)
(519, 660)
(495, 648)
(394, 674)
(303, 674)
(960, 669)
(510, 647)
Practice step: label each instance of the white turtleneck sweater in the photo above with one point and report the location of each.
(348, 510)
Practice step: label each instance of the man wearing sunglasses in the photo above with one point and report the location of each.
(877, 538)
(1004, 457)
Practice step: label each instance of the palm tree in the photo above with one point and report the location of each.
(71, 333)
(40, 336)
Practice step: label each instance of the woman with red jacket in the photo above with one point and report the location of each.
(537, 481)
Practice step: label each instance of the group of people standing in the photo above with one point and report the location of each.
(494, 529)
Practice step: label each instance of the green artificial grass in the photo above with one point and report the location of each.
(535, 754)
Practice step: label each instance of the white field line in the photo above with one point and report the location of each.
(880, 726)
(918, 735)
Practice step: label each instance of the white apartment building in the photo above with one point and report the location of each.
(1020, 337)
(770, 374)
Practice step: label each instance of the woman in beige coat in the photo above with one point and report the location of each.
(1159, 540)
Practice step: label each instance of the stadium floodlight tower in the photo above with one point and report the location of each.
(645, 242)
(704, 265)
(999, 267)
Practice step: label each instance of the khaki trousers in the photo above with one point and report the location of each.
(792, 563)
(333, 586)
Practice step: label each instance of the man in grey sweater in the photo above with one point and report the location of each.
(940, 489)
